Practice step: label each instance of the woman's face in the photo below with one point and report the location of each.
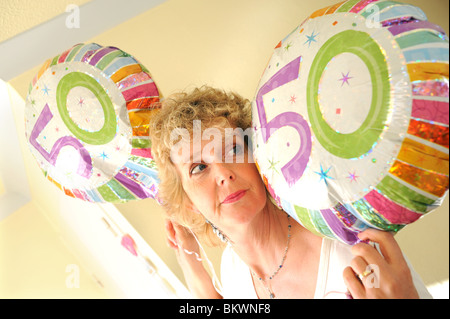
(223, 182)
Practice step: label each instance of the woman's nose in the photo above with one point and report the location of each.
(224, 174)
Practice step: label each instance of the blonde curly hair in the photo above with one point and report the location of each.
(214, 108)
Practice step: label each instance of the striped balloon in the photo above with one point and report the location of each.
(351, 119)
(99, 101)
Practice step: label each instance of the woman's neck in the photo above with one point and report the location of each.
(263, 243)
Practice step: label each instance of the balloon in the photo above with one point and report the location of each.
(87, 114)
(351, 120)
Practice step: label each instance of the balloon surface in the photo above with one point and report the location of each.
(351, 119)
(87, 114)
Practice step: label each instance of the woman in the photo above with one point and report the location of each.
(210, 186)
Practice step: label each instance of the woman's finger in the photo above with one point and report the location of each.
(369, 253)
(354, 285)
(359, 265)
(388, 245)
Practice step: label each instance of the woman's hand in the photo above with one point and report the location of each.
(378, 275)
(188, 253)
(181, 239)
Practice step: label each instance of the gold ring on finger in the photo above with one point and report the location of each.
(364, 274)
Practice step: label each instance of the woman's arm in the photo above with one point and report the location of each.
(379, 275)
(187, 250)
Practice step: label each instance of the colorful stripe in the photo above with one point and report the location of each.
(141, 130)
(78, 194)
(55, 60)
(434, 133)
(125, 71)
(381, 5)
(346, 7)
(417, 38)
(319, 13)
(344, 215)
(426, 54)
(371, 216)
(430, 182)
(131, 185)
(68, 192)
(43, 68)
(398, 21)
(361, 5)
(333, 8)
(108, 59)
(430, 110)
(88, 55)
(63, 56)
(141, 90)
(73, 52)
(134, 79)
(141, 143)
(426, 71)
(144, 103)
(430, 88)
(393, 212)
(142, 152)
(401, 10)
(406, 27)
(320, 224)
(108, 194)
(304, 219)
(423, 156)
(93, 196)
(82, 51)
(100, 54)
(338, 228)
(141, 169)
(140, 117)
(118, 64)
(403, 195)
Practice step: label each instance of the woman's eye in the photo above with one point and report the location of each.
(197, 169)
(238, 149)
(235, 150)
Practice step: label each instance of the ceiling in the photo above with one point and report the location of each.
(31, 26)
(17, 16)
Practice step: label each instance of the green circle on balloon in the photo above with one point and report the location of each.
(76, 79)
(362, 140)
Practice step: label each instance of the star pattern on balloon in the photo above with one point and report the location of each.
(45, 89)
(272, 165)
(292, 99)
(345, 78)
(311, 38)
(352, 176)
(324, 174)
(103, 155)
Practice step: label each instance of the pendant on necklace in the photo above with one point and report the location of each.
(272, 296)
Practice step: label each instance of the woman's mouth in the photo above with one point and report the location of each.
(234, 197)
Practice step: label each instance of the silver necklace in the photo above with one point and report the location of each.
(266, 281)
